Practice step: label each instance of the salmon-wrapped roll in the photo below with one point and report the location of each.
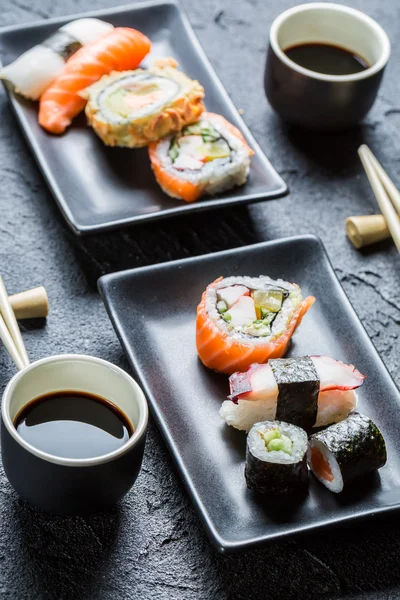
(133, 108)
(205, 158)
(242, 320)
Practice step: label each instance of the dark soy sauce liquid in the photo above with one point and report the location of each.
(73, 425)
(326, 58)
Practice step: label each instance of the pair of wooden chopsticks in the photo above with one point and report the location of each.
(386, 193)
(9, 330)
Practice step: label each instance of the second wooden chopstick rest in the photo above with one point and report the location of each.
(366, 229)
(31, 304)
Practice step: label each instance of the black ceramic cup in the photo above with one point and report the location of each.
(69, 485)
(317, 100)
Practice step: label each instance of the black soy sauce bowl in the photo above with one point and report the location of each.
(316, 100)
(66, 485)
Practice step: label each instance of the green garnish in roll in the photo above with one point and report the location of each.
(222, 306)
(275, 441)
(276, 458)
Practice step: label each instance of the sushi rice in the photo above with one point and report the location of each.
(289, 304)
(333, 479)
(333, 406)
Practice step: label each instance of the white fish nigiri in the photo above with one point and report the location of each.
(33, 72)
(254, 394)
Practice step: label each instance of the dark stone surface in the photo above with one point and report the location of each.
(153, 545)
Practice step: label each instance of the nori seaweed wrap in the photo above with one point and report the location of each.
(345, 451)
(298, 388)
(276, 458)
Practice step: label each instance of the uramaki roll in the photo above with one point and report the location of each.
(205, 158)
(133, 108)
(243, 320)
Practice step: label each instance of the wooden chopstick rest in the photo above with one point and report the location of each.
(32, 304)
(381, 193)
(365, 230)
(11, 323)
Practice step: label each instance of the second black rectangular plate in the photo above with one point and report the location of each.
(100, 188)
(153, 310)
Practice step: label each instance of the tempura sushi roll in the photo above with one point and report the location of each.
(276, 458)
(308, 391)
(345, 451)
(205, 158)
(33, 72)
(243, 320)
(134, 108)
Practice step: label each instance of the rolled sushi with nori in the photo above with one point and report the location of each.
(133, 108)
(346, 451)
(205, 158)
(276, 458)
(243, 320)
(308, 391)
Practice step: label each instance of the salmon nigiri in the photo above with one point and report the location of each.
(242, 320)
(121, 49)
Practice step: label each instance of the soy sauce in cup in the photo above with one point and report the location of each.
(326, 58)
(93, 460)
(73, 424)
(324, 65)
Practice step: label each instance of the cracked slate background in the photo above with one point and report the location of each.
(153, 545)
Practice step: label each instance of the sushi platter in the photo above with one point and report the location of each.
(158, 333)
(270, 395)
(134, 83)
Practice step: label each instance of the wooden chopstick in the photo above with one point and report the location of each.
(12, 325)
(9, 344)
(387, 208)
(387, 183)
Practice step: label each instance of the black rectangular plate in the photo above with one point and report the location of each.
(100, 188)
(153, 311)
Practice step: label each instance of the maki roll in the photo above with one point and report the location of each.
(276, 458)
(33, 72)
(309, 391)
(205, 158)
(345, 451)
(242, 320)
(133, 108)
